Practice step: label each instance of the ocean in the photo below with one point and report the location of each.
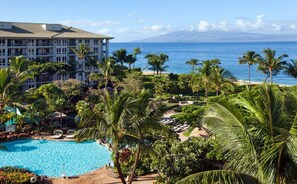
(227, 53)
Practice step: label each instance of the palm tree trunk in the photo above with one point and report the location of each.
(249, 75)
(117, 163)
(271, 80)
(135, 163)
(206, 92)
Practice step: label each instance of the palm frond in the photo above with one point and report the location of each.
(219, 177)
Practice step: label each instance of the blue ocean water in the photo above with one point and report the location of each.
(228, 53)
(54, 158)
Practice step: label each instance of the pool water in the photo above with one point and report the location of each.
(55, 158)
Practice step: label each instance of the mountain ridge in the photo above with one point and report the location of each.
(218, 36)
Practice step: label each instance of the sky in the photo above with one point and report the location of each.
(129, 20)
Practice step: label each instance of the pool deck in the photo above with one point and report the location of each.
(101, 176)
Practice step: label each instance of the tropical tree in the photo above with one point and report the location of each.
(270, 64)
(5, 87)
(249, 58)
(157, 62)
(223, 80)
(37, 69)
(205, 72)
(82, 53)
(261, 145)
(146, 121)
(120, 56)
(193, 63)
(291, 68)
(105, 74)
(110, 118)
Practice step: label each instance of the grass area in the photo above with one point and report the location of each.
(188, 132)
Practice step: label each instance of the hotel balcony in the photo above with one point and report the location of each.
(17, 44)
(17, 54)
(44, 53)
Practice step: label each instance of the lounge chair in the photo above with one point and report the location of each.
(57, 134)
(70, 134)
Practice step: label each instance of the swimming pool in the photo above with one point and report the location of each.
(54, 158)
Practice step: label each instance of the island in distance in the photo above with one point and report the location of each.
(220, 36)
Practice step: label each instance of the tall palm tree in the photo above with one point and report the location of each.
(110, 118)
(205, 72)
(157, 62)
(193, 63)
(120, 55)
(261, 145)
(291, 68)
(136, 51)
(106, 71)
(270, 64)
(223, 80)
(5, 87)
(82, 53)
(249, 58)
(145, 122)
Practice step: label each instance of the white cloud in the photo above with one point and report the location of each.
(203, 26)
(156, 28)
(103, 31)
(89, 23)
(293, 26)
(123, 30)
(277, 27)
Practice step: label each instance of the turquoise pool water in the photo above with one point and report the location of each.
(53, 158)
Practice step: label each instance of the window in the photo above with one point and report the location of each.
(79, 41)
(58, 59)
(96, 50)
(58, 76)
(31, 59)
(2, 62)
(2, 52)
(58, 42)
(64, 51)
(30, 51)
(2, 42)
(64, 42)
(58, 51)
(31, 43)
(95, 42)
(64, 59)
(87, 42)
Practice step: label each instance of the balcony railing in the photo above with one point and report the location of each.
(17, 44)
(17, 54)
(44, 53)
(45, 44)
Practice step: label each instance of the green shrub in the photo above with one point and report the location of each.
(12, 175)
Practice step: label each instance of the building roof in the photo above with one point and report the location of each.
(35, 30)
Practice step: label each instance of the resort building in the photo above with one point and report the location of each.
(50, 43)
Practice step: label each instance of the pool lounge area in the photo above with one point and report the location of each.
(55, 158)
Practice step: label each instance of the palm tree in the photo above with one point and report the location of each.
(5, 85)
(157, 62)
(291, 68)
(106, 71)
(250, 58)
(223, 79)
(130, 59)
(120, 55)
(270, 65)
(205, 74)
(193, 63)
(145, 122)
(110, 118)
(261, 145)
(82, 53)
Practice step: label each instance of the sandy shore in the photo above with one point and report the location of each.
(243, 82)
